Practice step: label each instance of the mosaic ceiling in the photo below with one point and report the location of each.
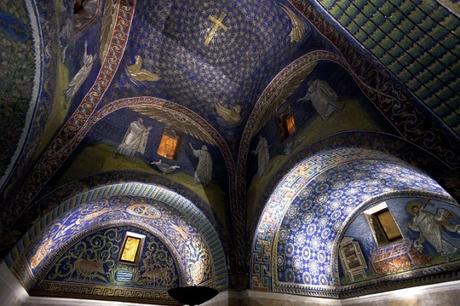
(230, 70)
(212, 101)
(418, 41)
(17, 103)
(296, 240)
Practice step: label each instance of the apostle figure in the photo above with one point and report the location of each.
(433, 228)
(203, 171)
(324, 99)
(263, 155)
(135, 139)
(82, 74)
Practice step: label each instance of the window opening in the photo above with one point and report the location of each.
(168, 144)
(132, 246)
(383, 225)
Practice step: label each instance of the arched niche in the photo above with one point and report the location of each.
(192, 239)
(93, 265)
(394, 240)
(294, 245)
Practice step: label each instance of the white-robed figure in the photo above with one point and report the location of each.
(203, 171)
(80, 77)
(135, 139)
(263, 155)
(433, 228)
(324, 99)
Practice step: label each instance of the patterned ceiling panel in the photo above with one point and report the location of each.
(187, 243)
(295, 238)
(230, 70)
(418, 41)
(321, 209)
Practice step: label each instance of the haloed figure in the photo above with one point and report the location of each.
(203, 171)
(135, 139)
(323, 98)
(433, 228)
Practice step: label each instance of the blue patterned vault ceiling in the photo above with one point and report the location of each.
(187, 244)
(321, 209)
(233, 69)
(127, 90)
(294, 247)
(418, 41)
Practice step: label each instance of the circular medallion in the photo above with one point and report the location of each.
(144, 210)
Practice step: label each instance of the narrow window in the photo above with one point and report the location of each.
(168, 144)
(290, 124)
(287, 122)
(132, 246)
(383, 225)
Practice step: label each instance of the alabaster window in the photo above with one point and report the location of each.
(383, 225)
(287, 123)
(168, 144)
(132, 246)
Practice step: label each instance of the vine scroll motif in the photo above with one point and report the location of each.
(94, 260)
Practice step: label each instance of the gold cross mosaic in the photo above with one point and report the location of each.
(217, 25)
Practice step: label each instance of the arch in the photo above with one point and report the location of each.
(89, 267)
(201, 126)
(111, 204)
(398, 273)
(45, 169)
(392, 98)
(54, 197)
(315, 199)
(387, 99)
(389, 144)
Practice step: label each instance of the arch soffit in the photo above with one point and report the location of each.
(54, 197)
(263, 265)
(391, 146)
(133, 190)
(153, 217)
